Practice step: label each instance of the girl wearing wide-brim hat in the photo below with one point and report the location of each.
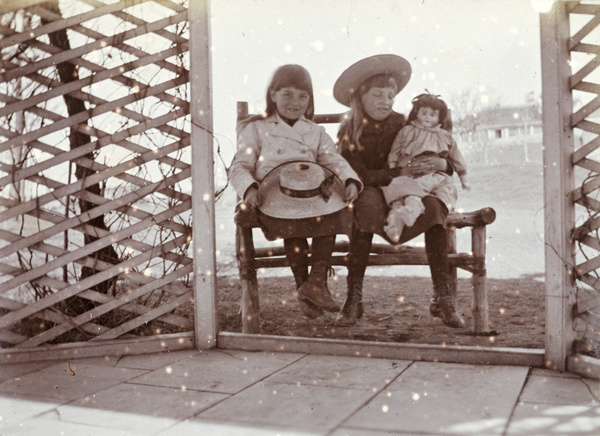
(369, 87)
(288, 172)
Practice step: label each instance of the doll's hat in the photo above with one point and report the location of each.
(296, 190)
(357, 73)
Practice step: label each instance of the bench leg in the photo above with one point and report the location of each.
(249, 303)
(249, 283)
(480, 295)
(453, 274)
(480, 303)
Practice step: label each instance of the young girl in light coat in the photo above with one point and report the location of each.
(286, 133)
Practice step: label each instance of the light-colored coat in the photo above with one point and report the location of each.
(265, 144)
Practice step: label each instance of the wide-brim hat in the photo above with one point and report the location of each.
(296, 190)
(357, 73)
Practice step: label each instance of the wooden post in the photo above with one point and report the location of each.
(248, 281)
(245, 257)
(453, 270)
(203, 208)
(559, 210)
(480, 307)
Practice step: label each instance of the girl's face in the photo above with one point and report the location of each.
(378, 102)
(291, 102)
(428, 117)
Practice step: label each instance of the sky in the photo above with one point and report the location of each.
(488, 46)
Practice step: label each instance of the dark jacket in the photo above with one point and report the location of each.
(370, 162)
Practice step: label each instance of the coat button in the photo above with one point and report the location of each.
(304, 149)
(279, 151)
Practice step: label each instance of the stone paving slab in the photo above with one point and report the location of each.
(138, 407)
(594, 387)
(51, 427)
(65, 382)
(557, 390)
(104, 361)
(350, 373)
(300, 407)
(12, 370)
(155, 361)
(444, 398)
(542, 419)
(204, 428)
(14, 412)
(370, 432)
(219, 371)
(543, 372)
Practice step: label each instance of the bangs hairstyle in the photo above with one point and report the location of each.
(379, 81)
(432, 102)
(291, 76)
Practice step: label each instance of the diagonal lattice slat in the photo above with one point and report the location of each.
(585, 159)
(95, 171)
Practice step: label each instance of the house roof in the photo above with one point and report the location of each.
(510, 116)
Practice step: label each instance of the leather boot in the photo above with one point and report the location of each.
(315, 291)
(434, 308)
(310, 311)
(353, 307)
(442, 306)
(299, 265)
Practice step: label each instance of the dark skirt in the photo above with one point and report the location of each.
(276, 228)
(371, 211)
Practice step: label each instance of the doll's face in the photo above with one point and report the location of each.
(428, 117)
(378, 102)
(291, 102)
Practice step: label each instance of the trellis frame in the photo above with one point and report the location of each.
(205, 264)
(171, 249)
(563, 272)
(558, 180)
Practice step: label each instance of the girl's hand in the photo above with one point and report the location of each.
(251, 198)
(422, 165)
(351, 192)
(464, 182)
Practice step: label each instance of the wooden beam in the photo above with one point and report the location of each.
(78, 350)
(385, 350)
(559, 209)
(584, 366)
(204, 245)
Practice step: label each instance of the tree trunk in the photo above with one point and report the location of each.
(68, 73)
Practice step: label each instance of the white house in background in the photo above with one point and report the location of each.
(503, 125)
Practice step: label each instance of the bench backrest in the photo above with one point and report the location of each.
(242, 112)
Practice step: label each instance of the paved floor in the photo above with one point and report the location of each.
(224, 392)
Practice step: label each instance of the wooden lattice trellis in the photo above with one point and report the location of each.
(584, 47)
(570, 37)
(95, 171)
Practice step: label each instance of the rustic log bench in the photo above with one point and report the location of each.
(250, 258)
